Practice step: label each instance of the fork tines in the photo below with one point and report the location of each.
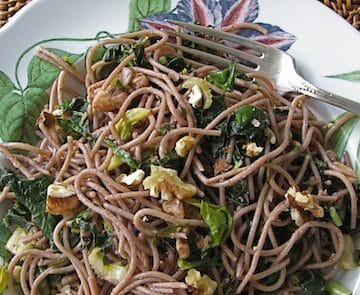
(249, 61)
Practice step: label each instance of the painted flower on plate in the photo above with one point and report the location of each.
(222, 13)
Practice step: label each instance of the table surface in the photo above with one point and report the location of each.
(348, 9)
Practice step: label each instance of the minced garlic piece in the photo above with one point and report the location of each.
(195, 96)
(200, 95)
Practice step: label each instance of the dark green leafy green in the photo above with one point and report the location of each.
(205, 116)
(122, 155)
(177, 64)
(5, 234)
(224, 79)
(248, 123)
(204, 262)
(228, 285)
(5, 177)
(165, 129)
(32, 195)
(311, 282)
(199, 258)
(99, 237)
(106, 70)
(119, 85)
(18, 215)
(139, 9)
(216, 146)
(74, 120)
(115, 53)
(238, 192)
(295, 252)
(171, 160)
(30, 201)
(139, 50)
(126, 158)
(320, 164)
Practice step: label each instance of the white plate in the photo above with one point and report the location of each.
(325, 43)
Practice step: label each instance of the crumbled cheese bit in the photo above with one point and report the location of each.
(255, 122)
(195, 97)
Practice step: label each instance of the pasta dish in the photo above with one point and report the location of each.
(174, 176)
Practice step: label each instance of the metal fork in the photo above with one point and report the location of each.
(273, 63)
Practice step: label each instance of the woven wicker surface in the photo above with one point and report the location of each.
(349, 9)
(9, 7)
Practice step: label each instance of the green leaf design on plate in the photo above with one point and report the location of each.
(20, 109)
(6, 85)
(139, 9)
(19, 114)
(357, 164)
(351, 76)
(341, 136)
(42, 74)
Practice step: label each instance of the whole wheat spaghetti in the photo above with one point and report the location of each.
(172, 176)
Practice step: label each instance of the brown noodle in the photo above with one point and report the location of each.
(135, 218)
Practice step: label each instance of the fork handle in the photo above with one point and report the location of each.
(350, 104)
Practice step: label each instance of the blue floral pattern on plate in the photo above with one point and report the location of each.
(222, 13)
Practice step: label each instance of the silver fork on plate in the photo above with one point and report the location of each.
(271, 62)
